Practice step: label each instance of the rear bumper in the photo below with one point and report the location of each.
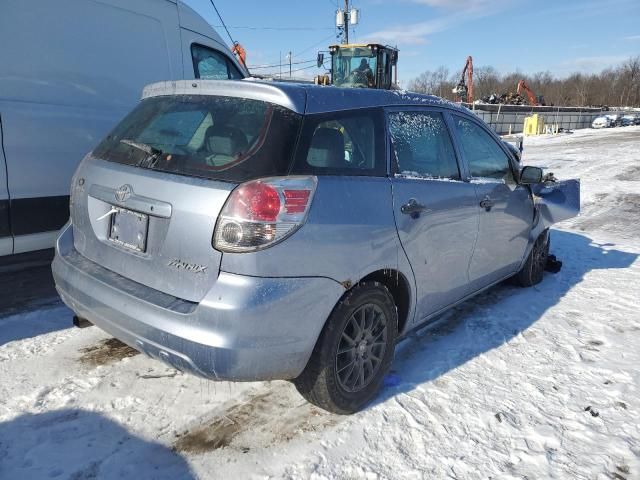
(245, 329)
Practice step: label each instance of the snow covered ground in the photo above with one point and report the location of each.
(518, 383)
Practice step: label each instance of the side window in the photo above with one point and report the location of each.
(342, 144)
(209, 64)
(483, 155)
(422, 145)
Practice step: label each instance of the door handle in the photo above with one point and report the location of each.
(487, 203)
(413, 208)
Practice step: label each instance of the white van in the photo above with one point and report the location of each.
(69, 71)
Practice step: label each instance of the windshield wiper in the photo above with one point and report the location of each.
(153, 154)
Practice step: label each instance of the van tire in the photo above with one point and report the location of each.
(322, 382)
(532, 271)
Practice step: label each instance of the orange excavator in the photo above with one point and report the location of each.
(533, 100)
(464, 89)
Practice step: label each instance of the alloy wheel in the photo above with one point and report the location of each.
(361, 348)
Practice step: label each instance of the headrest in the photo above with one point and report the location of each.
(225, 140)
(327, 148)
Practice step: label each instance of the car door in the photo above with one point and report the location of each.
(6, 239)
(505, 208)
(435, 209)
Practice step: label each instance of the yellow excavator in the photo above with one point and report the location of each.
(366, 65)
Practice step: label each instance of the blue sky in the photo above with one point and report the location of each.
(561, 36)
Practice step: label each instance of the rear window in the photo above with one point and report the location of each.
(222, 138)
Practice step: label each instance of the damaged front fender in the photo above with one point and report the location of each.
(555, 202)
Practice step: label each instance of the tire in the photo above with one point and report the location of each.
(346, 371)
(533, 269)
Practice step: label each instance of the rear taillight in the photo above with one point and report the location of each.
(260, 213)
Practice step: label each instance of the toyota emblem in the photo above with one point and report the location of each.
(123, 193)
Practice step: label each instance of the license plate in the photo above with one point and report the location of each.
(129, 229)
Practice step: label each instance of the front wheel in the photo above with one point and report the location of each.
(354, 351)
(533, 269)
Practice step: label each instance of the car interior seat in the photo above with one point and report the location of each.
(327, 149)
(225, 141)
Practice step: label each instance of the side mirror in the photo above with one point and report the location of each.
(320, 59)
(529, 175)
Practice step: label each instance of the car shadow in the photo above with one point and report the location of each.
(496, 316)
(33, 322)
(79, 444)
(26, 283)
(29, 303)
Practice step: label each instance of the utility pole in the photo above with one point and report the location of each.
(346, 21)
(290, 63)
(344, 18)
(280, 64)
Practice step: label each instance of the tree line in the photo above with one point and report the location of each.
(612, 87)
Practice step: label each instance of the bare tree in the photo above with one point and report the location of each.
(486, 81)
(613, 86)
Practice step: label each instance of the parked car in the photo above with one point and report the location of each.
(251, 231)
(69, 72)
(627, 121)
(614, 119)
(619, 121)
(601, 122)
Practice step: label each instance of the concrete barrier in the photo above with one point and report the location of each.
(505, 122)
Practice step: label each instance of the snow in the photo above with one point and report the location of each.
(517, 383)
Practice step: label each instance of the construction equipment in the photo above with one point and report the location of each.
(464, 90)
(240, 53)
(533, 100)
(370, 65)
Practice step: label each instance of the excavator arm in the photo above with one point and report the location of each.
(522, 85)
(464, 90)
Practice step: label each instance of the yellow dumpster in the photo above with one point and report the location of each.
(533, 125)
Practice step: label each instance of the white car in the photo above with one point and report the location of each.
(601, 122)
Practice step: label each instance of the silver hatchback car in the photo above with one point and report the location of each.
(253, 231)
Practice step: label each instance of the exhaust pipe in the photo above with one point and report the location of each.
(81, 322)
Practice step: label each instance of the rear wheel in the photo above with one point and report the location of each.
(354, 351)
(533, 269)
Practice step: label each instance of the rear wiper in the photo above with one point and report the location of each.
(153, 154)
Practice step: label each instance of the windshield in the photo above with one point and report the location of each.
(223, 138)
(354, 67)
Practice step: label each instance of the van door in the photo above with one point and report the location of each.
(435, 209)
(6, 239)
(505, 208)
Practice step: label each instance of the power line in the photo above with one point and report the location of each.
(277, 64)
(314, 45)
(276, 74)
(245, 27)
(222, 21)
(305, 68)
